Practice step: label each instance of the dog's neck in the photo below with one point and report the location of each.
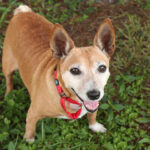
(67, 92)
(72, 107)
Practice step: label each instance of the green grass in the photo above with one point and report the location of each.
(125, 108)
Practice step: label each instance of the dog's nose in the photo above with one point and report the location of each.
(93, 95)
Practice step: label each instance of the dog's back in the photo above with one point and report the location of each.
(27, 39)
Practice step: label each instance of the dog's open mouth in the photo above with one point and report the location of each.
(91, 106)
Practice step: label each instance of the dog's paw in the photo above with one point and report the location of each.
(97, 127)
(30, 140)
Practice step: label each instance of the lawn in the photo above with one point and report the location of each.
(125, 108)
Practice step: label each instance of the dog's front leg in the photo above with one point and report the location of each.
(31, 120)
(93, 125)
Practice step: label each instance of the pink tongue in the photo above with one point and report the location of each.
(91, 105)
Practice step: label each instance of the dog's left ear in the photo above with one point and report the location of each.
(105, 38)
(60, 42)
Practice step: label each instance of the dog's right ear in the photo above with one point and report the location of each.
(60, 42)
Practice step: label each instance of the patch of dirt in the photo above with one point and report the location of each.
(84, 32)
(146, 127)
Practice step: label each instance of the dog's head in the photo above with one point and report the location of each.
(85, 70)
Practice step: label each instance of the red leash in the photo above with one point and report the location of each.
(64, 98)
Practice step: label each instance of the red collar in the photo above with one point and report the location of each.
(64, 98)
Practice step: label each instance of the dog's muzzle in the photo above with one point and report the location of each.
(93, 94)
(91, 105)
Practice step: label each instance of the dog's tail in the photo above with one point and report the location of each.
(22, 8)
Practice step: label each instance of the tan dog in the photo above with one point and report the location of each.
(35, 47)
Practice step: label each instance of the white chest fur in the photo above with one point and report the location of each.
(83, 112)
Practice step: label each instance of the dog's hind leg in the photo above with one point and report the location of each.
(93, 125)
(9, 65)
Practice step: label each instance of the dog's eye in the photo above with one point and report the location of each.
(75, 71)
(102, 68)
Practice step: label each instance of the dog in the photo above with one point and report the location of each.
(63, 81)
